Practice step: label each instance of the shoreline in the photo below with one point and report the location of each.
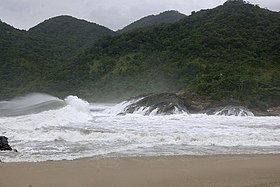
(190, 170)
(101, 157)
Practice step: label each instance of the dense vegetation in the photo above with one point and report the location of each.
(166, 17)
(29, 59)
(231, 52)
(80, 33)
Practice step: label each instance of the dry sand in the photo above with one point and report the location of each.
(175, 171)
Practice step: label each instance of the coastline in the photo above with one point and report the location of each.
(208, 170)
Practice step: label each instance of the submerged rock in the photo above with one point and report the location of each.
(204, 104)
(230, 111)
(163, 103)
(4, 146)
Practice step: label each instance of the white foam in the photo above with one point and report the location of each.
(77, 103)
(73, 132)
(234, 111)
(154, 112)
(121, 107)
(142, 110)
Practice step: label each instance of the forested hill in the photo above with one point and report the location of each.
(231, 52)
(5, 27)
(80, 32)
(166, 17)
(28, 59)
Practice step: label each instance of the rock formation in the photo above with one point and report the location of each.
(4, 146)
(163, 103)
(186, 102)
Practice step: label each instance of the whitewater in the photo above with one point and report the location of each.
(42, 127)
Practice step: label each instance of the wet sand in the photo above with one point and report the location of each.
(173, 171)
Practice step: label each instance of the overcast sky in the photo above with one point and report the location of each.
(114, 14)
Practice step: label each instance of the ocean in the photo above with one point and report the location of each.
(42, 127)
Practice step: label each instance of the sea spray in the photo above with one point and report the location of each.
(74, 132)
(121, 107)
(77, 103)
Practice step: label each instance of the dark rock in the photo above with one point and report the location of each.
(204, 104)
(191, 102)
(4, 146)
(195, 102)
(163, 103)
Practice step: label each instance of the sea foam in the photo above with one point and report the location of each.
(79, 129)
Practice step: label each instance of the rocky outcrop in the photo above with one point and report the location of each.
(207, 105)
(195, 103)
(4, 146)
(185, 102)
(163, 103)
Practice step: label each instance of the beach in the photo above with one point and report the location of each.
(80, 144)
(163, 171)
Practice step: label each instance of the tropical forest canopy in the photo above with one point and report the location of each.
(231, 52)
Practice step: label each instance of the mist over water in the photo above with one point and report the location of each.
(43, 127)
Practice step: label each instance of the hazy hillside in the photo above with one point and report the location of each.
(230, 52)
(29, 59)
(154, 20)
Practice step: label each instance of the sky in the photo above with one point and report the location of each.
(114, 14)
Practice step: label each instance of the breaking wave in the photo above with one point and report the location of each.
(234, 111)
(230, 111)
(141, 107)
(121, 107)
(75, 129)
(38, 102)
(30, 104)
(133, 107)
(77, 103)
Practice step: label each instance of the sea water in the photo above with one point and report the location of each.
(43, 127)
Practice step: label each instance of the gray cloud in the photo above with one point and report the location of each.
(114, 14)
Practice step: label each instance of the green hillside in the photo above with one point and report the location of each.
(80, 32)
(166, 17)
(230, 53)
(28, 60)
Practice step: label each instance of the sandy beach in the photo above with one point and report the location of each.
(174, 171)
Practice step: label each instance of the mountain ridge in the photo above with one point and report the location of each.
(230, 52)
(29, 59)
(166, 17)
(82, 31)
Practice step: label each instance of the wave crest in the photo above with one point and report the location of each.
(77, 103)
(30, 104)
